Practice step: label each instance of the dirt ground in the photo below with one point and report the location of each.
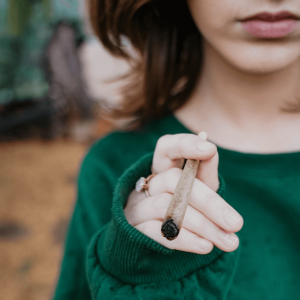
(37, 193)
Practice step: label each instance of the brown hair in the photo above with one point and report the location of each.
(169, 58)
(169, 47)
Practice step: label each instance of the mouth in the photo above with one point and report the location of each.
(270, 25)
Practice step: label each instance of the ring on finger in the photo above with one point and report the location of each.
(143, 184)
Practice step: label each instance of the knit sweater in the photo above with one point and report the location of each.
(106, 258)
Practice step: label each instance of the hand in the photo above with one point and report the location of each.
(209, 219)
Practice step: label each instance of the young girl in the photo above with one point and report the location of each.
(230, 69)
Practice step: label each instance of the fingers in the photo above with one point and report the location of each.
(209, 218)
(172, 149)
(197, 223)
(208, 169)
(215, 208)
(150, 208)
(208, 172)
(202, 198)
(186, 241)
(153, 208)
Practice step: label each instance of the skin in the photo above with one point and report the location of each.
(245, 79)
(243, 86)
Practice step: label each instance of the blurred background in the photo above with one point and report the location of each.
(54, 76)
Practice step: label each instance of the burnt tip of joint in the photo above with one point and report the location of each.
(169, 230)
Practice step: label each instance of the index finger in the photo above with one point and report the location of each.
(172, 149)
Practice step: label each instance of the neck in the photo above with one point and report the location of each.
(239, 103)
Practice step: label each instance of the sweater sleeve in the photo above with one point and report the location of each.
(92, 211)
(123, 263)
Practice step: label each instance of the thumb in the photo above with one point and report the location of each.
(208, 169)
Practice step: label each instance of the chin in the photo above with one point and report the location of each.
(261, 59)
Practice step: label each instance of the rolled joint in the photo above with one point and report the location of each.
(174, 216)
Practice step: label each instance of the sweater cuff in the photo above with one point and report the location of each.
(124, 252)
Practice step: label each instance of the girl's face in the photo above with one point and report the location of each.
(256, 36)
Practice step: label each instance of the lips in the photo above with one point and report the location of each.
(270, 25)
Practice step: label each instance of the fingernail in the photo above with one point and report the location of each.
(203, 135)
(203, 244)
(229, 239)
(205, 146)
(231, 217)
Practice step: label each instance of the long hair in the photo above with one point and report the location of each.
(169, 48)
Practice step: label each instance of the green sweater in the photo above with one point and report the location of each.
(106, 258)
